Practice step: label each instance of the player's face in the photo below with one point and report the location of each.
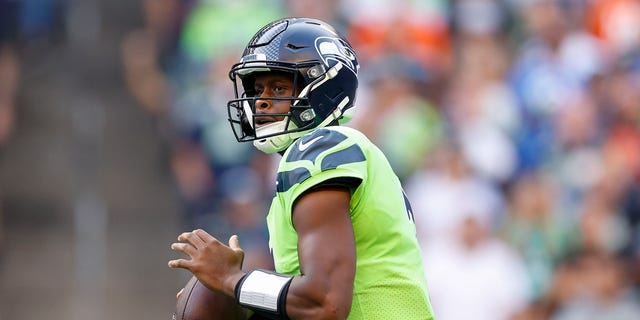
(270, 85)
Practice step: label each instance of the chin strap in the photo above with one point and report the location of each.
(276, 143)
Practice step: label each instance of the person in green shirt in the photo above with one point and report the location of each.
(341, 229)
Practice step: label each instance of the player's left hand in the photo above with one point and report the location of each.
(217, 266)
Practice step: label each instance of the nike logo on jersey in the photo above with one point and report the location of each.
(304, 146)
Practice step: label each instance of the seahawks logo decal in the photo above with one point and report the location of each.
(337, 50)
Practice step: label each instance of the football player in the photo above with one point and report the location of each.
(341, 229)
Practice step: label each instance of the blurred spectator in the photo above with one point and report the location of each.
(244, 213)
(631, 210)
(575, 157)
(604, 229)
(617, 22)
(479, 18)
(328, 10)
(533, 227)
(9, 80)
(401, 121)
(470, 267)
(594, 286)
(436, 191)
(151, 52)
(417, 30)
(479, 106)
(9, 66)
(620, 108)
(554, 62)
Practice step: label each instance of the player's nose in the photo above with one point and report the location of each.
(263, 103)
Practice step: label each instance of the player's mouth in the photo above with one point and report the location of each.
(262, 120)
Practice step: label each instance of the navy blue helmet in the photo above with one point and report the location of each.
(324, 66)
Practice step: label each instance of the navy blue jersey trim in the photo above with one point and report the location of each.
(288, 179)
(349, 155)
(310, 146)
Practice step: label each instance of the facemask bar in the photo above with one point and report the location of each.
(242, 118)
(241, 111)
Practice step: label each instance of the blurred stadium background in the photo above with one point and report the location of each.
(514, 124)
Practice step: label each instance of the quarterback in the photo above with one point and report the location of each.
(341, 229)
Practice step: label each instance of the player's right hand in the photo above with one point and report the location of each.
(217, 266)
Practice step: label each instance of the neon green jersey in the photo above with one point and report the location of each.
(389, 281)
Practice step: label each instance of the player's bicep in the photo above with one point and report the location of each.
(327, 254)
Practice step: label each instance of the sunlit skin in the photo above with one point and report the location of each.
(326, 244)
(272, 85)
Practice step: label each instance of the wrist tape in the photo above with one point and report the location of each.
(264, 292)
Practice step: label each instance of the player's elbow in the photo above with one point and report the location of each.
(326, 306)
(320, 297)
(335, 308)
(332, 309)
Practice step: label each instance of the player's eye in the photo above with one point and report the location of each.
(282, 91)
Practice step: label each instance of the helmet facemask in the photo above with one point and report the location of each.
(300, 118)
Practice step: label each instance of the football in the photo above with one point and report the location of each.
(197, 302)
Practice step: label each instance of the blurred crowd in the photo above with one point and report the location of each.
(9, 71)
(513, 124)
(22, 23)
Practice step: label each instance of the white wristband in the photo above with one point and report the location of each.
(262, 290)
